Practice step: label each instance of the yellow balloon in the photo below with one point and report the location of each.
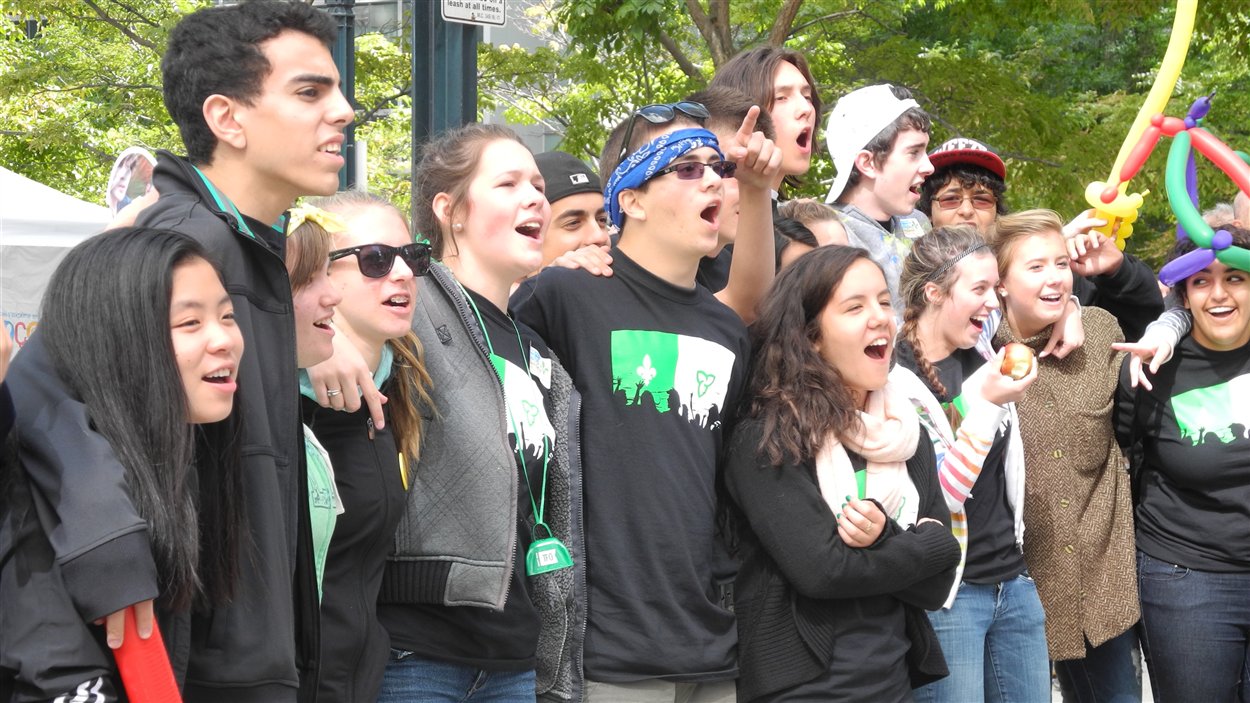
(1165, 82)
(1120, 214)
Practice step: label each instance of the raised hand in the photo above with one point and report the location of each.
(757, 157)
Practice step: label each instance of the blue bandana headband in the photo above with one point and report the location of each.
(651, 157)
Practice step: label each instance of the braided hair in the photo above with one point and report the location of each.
(934, 258)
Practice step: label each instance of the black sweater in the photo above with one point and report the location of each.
(800, 585)
(354, 645)
(1131, 294)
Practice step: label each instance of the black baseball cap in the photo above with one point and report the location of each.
(566, 175)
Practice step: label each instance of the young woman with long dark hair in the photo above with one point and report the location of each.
(137, 323)
(844, 535)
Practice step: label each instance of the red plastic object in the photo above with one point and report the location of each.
(144, 666)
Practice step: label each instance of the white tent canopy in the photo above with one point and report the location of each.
(34, 214)
(38, 225)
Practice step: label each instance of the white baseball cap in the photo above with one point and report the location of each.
(856, 120)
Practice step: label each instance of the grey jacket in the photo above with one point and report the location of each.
(888, 249)
(467, 476)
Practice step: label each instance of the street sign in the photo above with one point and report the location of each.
(484, 13)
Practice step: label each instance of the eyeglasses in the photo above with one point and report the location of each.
(377, 260)
(980, 201)
(659, 114)
(693, 170)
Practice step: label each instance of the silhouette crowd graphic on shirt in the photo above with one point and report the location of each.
(661, 373)
(1214, 414)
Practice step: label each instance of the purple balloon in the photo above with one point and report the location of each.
(1185, 266)
(1221, 240)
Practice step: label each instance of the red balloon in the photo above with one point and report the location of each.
(1138, 156)
(1222, 156)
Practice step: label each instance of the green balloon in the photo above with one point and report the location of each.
(1178, 195)
(1235, 257)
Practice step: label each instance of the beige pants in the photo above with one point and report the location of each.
(657, 691)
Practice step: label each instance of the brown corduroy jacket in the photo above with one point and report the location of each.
(1078, 516)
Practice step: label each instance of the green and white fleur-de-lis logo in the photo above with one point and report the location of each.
(646, 372)
(705, 380)
(531, 412)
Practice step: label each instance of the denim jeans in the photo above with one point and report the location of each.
(1194, 631)
(1107, 674)
(994, 639)
(411, 679)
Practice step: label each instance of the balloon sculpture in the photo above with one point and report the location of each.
(1120, 210)
(1182, 187)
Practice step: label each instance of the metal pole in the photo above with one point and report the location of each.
(444, 76)
(344, 52)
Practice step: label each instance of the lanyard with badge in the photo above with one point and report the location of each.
(549, 553)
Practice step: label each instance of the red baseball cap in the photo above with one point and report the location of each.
(962, 150)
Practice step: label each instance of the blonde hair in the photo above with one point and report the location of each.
(410, 392)
(307, 253)
(1009, 230)
(806, 210)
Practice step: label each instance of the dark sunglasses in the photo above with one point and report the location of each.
(661, 113)
(693, 170)
(377, 260)
(980, 201)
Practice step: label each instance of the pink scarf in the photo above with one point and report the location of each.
(889, 438)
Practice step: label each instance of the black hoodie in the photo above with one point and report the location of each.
(262, 646)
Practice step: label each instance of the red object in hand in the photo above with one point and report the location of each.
(144, 666)
(1018, 361)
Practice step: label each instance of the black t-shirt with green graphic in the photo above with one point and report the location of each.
(660, 370)
(479, 637)
(993, 554)
(1193, 479)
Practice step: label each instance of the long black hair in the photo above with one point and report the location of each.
(105, 321)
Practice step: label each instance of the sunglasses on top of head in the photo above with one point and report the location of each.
(661, 113)
(377, 260)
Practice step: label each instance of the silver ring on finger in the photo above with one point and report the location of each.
(331, 392)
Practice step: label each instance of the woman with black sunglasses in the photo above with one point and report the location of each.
(373, 264)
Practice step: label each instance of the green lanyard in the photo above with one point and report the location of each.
(549, 553)
(540, 506)
(224, 204)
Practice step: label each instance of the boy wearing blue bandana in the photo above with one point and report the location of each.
(660, 365)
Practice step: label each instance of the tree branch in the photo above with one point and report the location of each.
(136, 14)
(781, 25)
(1032, 159)
(687, 67)
(89, 86)
(831, 16)
(121, 27)
(708, 31)
(381, 104)
(937, 117)
(720, 20)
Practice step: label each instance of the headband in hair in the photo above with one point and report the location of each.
(329, 221)
(651, 157)
(941, 270)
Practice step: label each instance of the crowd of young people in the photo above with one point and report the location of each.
(648, 434)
